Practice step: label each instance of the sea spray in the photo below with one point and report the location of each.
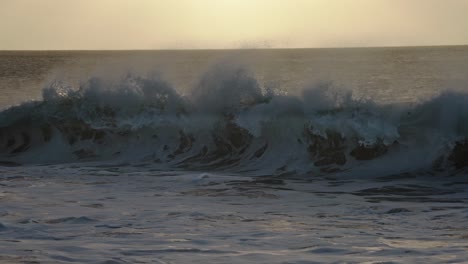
(229, 122)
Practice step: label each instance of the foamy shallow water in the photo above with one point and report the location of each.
(88, 213)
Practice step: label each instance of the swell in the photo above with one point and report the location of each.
(229, 122)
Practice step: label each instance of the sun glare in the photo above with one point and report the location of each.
(148, 24)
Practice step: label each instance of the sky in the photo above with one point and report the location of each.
(229, 24)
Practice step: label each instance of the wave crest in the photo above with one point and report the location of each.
(229, 122)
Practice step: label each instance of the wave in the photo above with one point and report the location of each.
(229, 122)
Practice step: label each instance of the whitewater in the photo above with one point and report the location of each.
(261, 156)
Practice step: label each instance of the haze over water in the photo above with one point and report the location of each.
(382, 74)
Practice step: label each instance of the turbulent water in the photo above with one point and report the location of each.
(287, 156)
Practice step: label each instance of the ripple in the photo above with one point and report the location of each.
(71, 220)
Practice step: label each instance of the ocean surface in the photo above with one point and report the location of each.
(234, 156)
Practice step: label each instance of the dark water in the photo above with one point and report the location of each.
(247, 156)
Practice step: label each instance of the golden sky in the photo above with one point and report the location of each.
(187, 24)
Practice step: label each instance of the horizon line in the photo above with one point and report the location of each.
(237, 49)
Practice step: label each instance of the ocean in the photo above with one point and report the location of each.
(355, 155)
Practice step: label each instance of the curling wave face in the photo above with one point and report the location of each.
(228, 122)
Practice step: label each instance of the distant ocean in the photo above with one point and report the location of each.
(234, 156)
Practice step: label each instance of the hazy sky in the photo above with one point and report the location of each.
(168, 24)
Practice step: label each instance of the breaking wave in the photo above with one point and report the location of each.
(229, 122)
